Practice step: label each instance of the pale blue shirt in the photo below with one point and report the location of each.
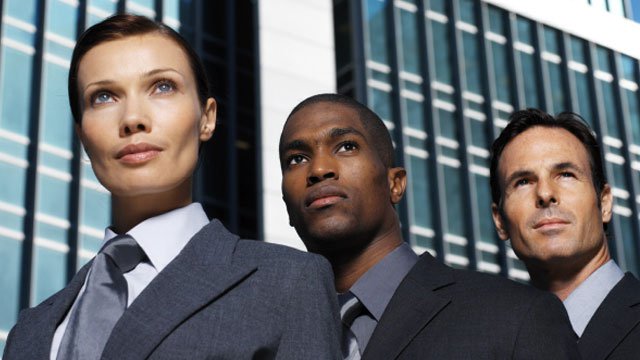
(583, 302)
(162, 238)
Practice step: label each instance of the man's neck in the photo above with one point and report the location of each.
(348, 270)
(562, 280)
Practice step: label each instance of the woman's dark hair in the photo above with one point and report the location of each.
(119, 27)
(522, 120)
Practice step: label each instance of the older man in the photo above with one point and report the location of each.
(551, 199)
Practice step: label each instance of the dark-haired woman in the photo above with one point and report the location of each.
(167, 283)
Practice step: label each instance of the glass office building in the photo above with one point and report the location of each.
(445, 75)
(52, 208)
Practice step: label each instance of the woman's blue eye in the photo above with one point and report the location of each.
(165, 86)
(102, 98)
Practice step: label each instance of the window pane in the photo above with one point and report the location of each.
(525, 31)
(551, 41)
(409, 43)
(96, 208)
(53, 196)
(530, 80)
(557, 88)
(16, 94)
(421, 192)
(10, 255)
(472, 69)
(497, 22)
(467, 11)
(453, 190)
(634, 114)
(50, 273)
(501, 73)
(585, 104)
(578, 50)
(415, 114)
(12, 184)
(377, 26)
(610, 111)
(56, 123)
(61, 18)
(442, 52)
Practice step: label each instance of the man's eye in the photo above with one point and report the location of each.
(566, 174)
(102, 97)
(521, 182)
(348, 146)
(296, 159)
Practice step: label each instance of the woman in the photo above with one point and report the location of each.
(168, 284)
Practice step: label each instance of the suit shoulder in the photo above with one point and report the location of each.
(268, 253)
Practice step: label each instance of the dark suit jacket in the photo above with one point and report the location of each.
(221, 298)
(441, 313)
(614, 330)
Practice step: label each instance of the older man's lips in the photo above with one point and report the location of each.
(550, 224)
(138, 153)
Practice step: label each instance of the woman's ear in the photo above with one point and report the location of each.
(208, 119)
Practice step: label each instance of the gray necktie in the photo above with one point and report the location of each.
(103, 302)
(350, 309)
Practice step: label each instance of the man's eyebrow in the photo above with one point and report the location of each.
(338, 132)
(518, 174)
(295, 145)
(568, 165)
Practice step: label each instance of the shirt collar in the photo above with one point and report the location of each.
(162, 237)
(583, 302)
(375, 288)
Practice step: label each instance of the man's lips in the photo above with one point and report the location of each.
(549, 223)
(323, 197)
(138, 153)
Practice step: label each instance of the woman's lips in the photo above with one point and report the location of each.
(138, 153)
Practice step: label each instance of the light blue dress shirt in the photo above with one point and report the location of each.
(162, 238)
(583, 302)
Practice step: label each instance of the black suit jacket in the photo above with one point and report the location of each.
(441, 313)
(614, 330)
(221, 298)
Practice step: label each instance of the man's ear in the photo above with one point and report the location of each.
(606, 203)
(208, 119)
(499, 222)
(397, 183)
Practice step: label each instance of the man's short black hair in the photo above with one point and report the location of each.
(376, 129)
(522, 120)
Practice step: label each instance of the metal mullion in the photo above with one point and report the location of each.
(489, 94)
(432, 127)
(121, 7)
(600, 125)
(73, 237)
(255, 13)
(232, 116)
(517, 86)
(459, 79)
(358, 51)
(398, 116)
(159, 8)
(544, 90)
(564, 40)
(624, 124)
(32, 157)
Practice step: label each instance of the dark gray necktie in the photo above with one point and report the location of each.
(103, 302)
(350, 309)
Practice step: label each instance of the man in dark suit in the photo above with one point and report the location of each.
(340, 187)
(221, 297)
(552, 200)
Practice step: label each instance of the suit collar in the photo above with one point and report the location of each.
(50, 314)
(203, 271)
(415, 303)
(618, 314)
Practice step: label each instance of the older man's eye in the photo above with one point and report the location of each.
(521, 182)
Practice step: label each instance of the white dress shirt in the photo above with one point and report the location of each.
(583, 302)
(162, 238)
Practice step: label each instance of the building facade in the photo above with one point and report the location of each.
(443, 74)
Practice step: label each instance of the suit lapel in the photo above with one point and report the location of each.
(414, 304)
(44, 319)
(202, 272)
(618, 314)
